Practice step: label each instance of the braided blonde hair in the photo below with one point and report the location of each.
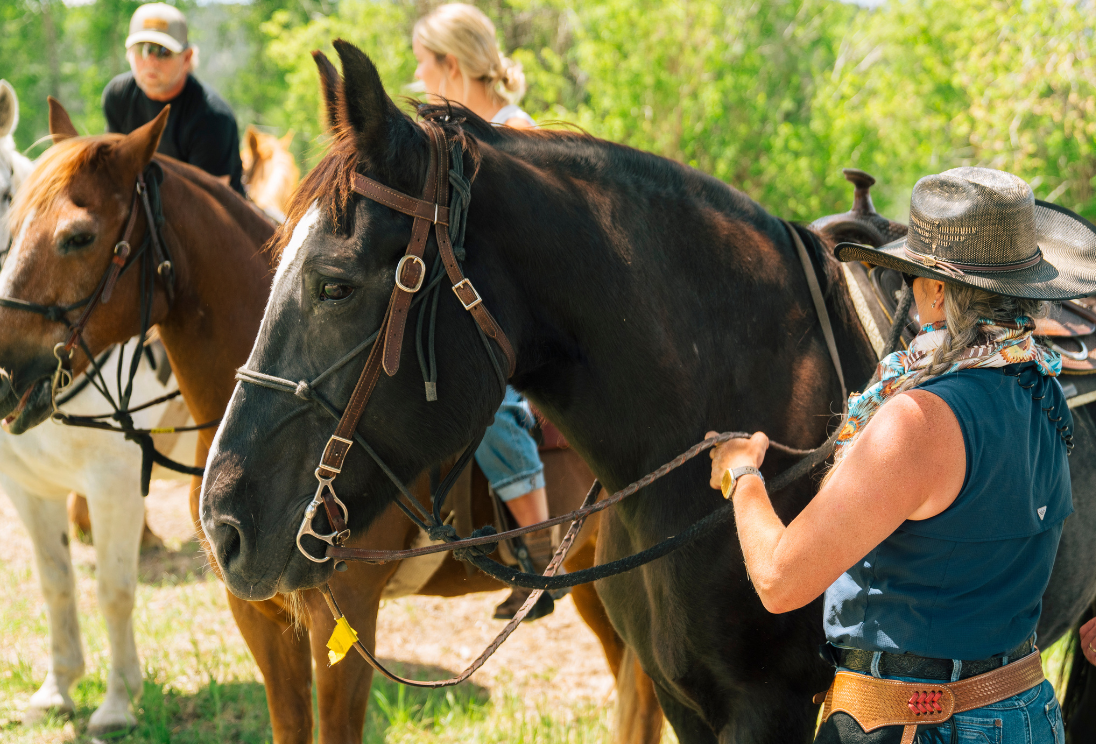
(963, 307)
(465, 32)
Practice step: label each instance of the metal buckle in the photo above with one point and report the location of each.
(399, 273)
(334, 538)
(349, 443)
(461, 283)
(118, 247)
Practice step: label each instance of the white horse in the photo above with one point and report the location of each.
(14, 168)
(38, 469)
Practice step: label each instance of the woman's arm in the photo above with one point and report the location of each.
(518, 123)
(909, 463)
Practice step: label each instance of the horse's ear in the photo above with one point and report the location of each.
(251, 140)
(60, 125)
(366, 108)
(134, 152)
(329, 86)
(287, 139)
(9, 108)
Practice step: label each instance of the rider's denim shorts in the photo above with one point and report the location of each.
(1032, 717)
(508, 453)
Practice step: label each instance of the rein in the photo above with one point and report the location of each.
(155, 258)
(384, 351)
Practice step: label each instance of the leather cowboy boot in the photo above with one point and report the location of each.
(533, 557)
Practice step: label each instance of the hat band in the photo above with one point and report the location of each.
(958, 268)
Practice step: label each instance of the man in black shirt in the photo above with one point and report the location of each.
(201, 128)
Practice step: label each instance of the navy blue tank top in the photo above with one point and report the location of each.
(968, 583)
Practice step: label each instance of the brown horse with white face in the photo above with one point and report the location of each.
(75, 211)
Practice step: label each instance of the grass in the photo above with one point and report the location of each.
(201, 684)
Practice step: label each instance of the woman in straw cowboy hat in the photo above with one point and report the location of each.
(933, 535)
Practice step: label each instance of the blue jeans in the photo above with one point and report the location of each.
(1032, 717)
(508, 454)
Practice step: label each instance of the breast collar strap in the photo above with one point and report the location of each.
(431, 209)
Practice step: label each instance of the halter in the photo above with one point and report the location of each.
(146, 199)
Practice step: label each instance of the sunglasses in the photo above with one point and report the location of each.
(147, 49)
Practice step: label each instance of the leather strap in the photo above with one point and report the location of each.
(411, 270)
(425, 208)
(820, 309)
(874, 703)
(922, 667)
(103, 292)
(462, 286)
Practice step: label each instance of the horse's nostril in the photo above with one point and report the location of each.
(229, 543)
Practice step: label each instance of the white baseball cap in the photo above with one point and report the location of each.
(160, 24)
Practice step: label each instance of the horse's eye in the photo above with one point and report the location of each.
(79, 240)
(333, 291)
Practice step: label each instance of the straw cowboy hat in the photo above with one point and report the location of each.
(984, 228)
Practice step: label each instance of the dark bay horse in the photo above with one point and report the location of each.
(66, 231)
(647, 303)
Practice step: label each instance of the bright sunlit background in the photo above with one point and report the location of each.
(773, 97)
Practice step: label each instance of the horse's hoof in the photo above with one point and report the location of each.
(50, 700)
(106, 723)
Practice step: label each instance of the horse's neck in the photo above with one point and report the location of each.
(638, 332)
(223, 279)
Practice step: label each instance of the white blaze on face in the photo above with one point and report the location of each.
(300, 234)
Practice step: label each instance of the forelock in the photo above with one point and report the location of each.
(55, 171)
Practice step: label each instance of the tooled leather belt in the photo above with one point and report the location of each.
(909, 665)
(874, 703)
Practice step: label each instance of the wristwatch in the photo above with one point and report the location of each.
(730, 478)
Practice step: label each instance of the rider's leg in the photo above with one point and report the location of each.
(508, 457)
(529, 508)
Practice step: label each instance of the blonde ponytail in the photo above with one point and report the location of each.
(466, 33)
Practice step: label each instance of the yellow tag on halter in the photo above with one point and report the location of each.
(727, 483)
(341, 641)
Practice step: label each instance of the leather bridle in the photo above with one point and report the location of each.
(386, 345)
(156, 260)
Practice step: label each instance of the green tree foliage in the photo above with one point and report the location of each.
(773, 97)
(925, 85)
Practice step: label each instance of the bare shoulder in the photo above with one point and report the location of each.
(518, 123)
(917, 434)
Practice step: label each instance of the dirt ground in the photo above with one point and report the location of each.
(556, 661)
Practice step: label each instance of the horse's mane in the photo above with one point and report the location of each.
(55, 170)
(330, 183)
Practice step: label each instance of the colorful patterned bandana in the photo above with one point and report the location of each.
(1003, 344)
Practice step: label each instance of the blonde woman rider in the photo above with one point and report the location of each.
(933, 536)
(459, 60)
